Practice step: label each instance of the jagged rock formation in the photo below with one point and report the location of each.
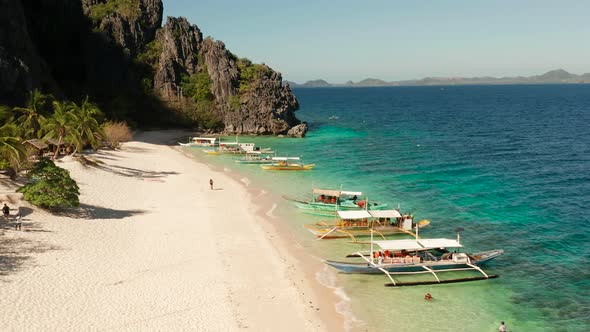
(179, 41)
(131, 28)
(117, 52)
(266, 107)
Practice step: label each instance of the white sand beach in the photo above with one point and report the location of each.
(152, 248)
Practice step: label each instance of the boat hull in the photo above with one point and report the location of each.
(328, 210)
(288, 167)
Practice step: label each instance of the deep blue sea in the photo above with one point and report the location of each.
(509, 164)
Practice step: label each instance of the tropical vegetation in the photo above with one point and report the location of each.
(51, 187)
(60, 123)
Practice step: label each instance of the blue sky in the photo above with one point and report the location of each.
(396, 40)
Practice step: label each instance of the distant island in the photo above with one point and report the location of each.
(552, 76)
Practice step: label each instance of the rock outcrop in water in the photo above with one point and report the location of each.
(118, 53)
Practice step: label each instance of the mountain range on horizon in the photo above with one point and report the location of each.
(552, 76)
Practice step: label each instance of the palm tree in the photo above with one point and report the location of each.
(87, 126)
(61, 125)
(32, 116)
(11, 146)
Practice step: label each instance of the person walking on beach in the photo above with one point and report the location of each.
(18, 222)
(502, 327)
(6, 211)
(211, 183)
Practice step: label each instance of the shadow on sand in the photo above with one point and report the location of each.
(87, 211)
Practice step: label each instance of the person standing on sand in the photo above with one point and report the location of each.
(502, 327)
(18, 222)
(5, 210)
(211, 183)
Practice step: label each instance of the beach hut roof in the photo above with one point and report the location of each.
(37, 143)
(51, 141)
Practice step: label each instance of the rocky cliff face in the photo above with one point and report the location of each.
(131, 27)
(266, 107)
(21, 67)
(179, 41)
(118, 53)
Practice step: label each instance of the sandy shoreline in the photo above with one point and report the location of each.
(153, 248)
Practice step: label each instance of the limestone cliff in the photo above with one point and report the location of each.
(117, 52)
(256, 104)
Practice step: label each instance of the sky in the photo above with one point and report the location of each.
(398, 40)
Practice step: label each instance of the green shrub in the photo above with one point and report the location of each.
(129, 8)
(197, 86)
(51, 187)
(250, 73)
(233, 103)
(204, 114)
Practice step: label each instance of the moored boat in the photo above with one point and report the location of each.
(417, 256)
(256, 157)
(287, 164)
(362, 223)
(201, 141)
(326, 202)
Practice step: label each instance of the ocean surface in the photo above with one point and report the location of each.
(509, 164)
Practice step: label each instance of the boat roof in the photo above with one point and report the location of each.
(385, 214)
(285, 158)
(336, 193)
(354, 214)
(417, 244)
(210, 139)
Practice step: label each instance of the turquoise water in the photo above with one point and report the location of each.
(509, 164)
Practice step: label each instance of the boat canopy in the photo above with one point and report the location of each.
(351, 193)
(285, 158)
(385, 214)
(417, 244)
(397, 245)
(354, 214)
(336, 193)
(205, 139)
(440, 243)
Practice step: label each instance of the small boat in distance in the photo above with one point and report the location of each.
(255, 157)
(418, 256)
(287, 164)
(236, 148)
(363, 223)
(326, 202)
(334, 117)
(201, 141)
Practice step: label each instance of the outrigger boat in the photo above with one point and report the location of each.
(418, 256)
(255, 157)
(237, 148)
(285, 164)
(353, 224)
(201, 141)
(326, 202)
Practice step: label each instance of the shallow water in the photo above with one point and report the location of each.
(509, 164)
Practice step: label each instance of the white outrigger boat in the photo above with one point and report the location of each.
(358, 223)
(201, 141)
(256, 157)
(237, 148)
(418, 256)
(287, 164)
